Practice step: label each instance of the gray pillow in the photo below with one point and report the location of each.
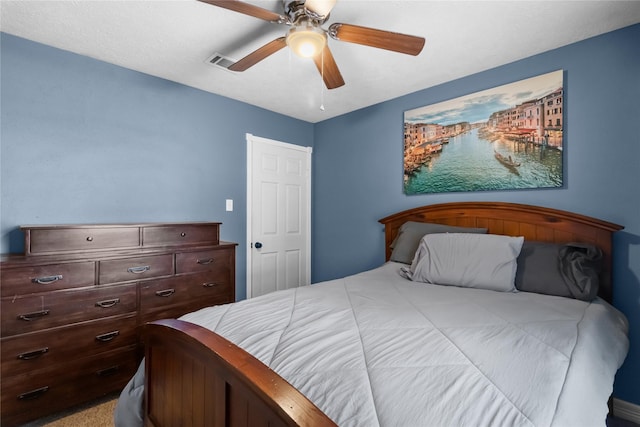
(567, 270)
(406, 243)
(483, 261)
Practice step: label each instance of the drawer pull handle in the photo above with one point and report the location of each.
(138, 270)
(33, 354)
(47, 279)
(33, 394)
(108, 336)
(108, 303)
(209, 285)
(183, 234)
(166, 293)
(108, 371)
(89, 239)
(33, 316)
(205, 261)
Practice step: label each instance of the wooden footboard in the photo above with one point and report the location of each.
(194, 377)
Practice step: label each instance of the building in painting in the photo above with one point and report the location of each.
(538, 121)
(552, 107)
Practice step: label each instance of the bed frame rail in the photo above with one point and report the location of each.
(202, 379)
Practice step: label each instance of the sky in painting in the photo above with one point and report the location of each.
(478, 106)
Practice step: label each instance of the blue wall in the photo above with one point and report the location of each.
(85, 141)
(358, 165)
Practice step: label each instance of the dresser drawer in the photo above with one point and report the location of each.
(29, 352)
(204, 288)
(32, 313)
(42, 278)
(30, 396)
(181, 234)
(218, 260)
(74, 239)
(175, 311)
(135, 268)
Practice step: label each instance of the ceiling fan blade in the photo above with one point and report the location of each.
(328, 69)
(258, 55)
(411, 45)
(248, 9)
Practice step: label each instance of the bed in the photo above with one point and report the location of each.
(384, 347)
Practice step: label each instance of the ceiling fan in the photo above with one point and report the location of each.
(308, 39)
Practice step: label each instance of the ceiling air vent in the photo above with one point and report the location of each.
(220, 61)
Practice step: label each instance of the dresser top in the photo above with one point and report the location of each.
(116, 225)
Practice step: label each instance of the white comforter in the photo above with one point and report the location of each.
(375, 349)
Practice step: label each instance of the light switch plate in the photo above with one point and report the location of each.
(229, 205)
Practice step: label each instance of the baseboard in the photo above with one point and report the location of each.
(626, 410)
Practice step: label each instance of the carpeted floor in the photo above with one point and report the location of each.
(98, 413)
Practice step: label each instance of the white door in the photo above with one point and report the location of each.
(278, 215)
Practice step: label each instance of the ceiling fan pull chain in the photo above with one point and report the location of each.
(322, 82)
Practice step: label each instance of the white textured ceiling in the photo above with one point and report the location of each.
(173, 40)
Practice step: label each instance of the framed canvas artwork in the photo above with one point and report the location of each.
(505, 138)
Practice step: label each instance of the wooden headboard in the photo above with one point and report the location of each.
(513, 219)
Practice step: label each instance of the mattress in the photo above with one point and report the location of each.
(375, 349)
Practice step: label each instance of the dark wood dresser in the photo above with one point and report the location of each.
(72, 304)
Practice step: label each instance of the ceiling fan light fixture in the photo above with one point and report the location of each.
(306, 41)
(319, 9)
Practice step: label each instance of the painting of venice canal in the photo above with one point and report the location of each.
(508, 137)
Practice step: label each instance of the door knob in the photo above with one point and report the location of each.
(258, 245)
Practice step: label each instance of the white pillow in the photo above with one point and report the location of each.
(486, 261)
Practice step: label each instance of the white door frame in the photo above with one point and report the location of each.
(250, 139)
